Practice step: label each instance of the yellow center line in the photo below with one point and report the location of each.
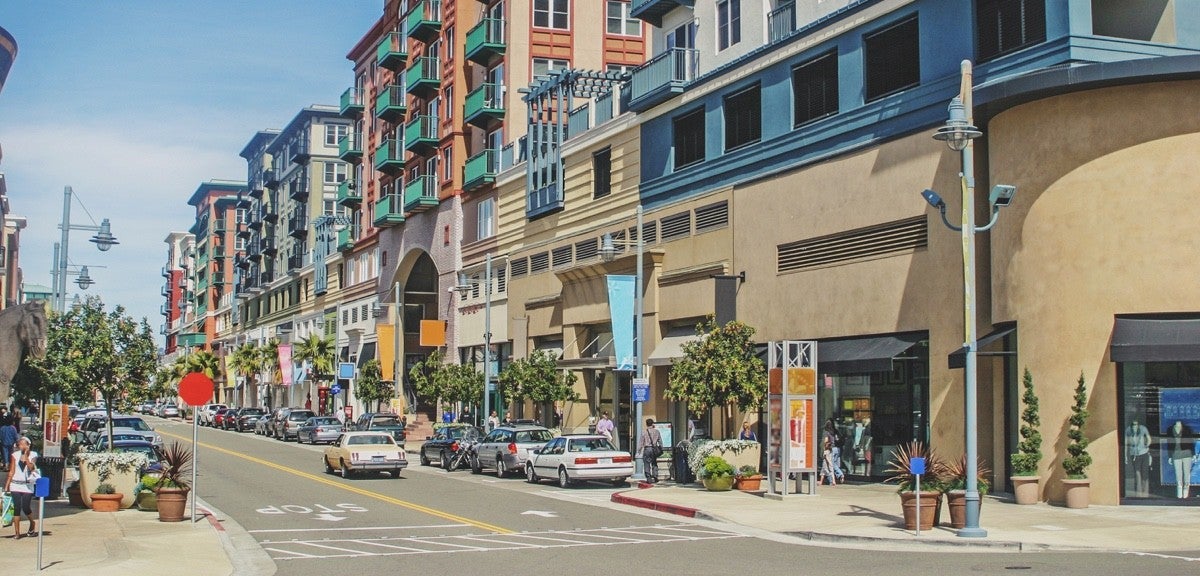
(356, 490)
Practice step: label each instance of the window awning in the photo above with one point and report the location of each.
(862, 354)
(1155, 340)
(671, 347)
(958, 358)
(368, 353)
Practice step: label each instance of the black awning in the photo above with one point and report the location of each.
(958, 358)
(862, 354)
(1155, 340)
(368, 353)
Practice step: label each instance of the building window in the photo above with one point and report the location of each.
(335, 172)
(239, 244)
(485, 218)
(893, 59)
(552, 14)
(448, 96)
(743, 118)
(242, 214)
(1004, 26)
(447, 164)
(1158, 401)
(450, 44)
(620, 22)
(602, 173)
(334, 133)
(542, 66)
(815, 88)
(689, 138)
(729, 23)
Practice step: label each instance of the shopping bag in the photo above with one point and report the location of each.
(7, 506)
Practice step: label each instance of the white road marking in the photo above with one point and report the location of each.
(329, 517)
(351, 550)
(542, 513)
(1166, 556)
(297, 554)
(360, 528)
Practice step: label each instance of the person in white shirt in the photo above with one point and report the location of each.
(22, 475)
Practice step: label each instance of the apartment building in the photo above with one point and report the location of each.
(10, 225)
(178, 288)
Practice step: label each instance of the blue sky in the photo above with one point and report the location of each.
(133, 103)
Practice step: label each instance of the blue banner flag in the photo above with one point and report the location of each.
(620, 306)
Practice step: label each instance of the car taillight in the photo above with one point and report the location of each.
(454, 447)
(512, 448)
(354, 455)
(622, 459)
(586, 460)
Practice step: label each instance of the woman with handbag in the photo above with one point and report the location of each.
(22, 475)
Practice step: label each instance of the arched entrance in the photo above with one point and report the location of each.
(419, 298)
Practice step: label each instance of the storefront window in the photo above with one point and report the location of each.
(1160, 407)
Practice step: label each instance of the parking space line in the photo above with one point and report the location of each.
(392, 546)
(497, 541)
(298, 554)
(351, 550)
(655, 534)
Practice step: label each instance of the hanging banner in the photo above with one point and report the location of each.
(285, 363)
(620, 306)
(54, 426)
(385, 333)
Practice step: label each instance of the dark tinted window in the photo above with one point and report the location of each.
(602, 173)
(893, 59)
(743, 118)
(815, 88)
(689, 138)
(1003, 26)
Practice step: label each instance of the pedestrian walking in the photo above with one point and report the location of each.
(827, 464)
(493, 421)
(8, 435)
(747, 433)
(22, 476)
(835, 440)
(650, 448)
(605, 426)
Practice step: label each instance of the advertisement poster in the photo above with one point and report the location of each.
(621, 290)
(802, 381)
(800, 449)
(285, 363)
(774, 432)
(1182, 406)
(54, 426)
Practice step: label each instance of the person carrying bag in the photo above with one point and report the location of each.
(22, 477)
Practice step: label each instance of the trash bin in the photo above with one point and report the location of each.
(53, 468)
(679, 464)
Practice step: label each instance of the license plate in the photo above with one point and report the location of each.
(606, 460)
(378, 457)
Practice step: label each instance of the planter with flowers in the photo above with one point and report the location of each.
(106, 498)
(738, 453)
(119, 469)
(171, 490)
(748, 478)
(717, 475)
(932, 483)
(956, 489)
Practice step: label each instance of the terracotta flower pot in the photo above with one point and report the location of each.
(719, 484)
(956, 501)
(930, 502)
(171, 504)
(1078, 492)
(106, 502)
(749, 483)
(75, 496)
(1025, 489)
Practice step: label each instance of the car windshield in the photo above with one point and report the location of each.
(373, 440)
(590, 445)
(251, 412)
(527, 436)
(457, 433)
(151, 455)
(385, 421)
(301, 416)
(326, 421)
(135, 423)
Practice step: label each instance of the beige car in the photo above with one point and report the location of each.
(355, 452)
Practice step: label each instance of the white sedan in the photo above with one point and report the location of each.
(355, 452)
(576, 458)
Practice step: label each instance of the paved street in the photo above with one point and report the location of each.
(429, 520)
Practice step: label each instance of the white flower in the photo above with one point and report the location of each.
(107, 463)
(702, 449)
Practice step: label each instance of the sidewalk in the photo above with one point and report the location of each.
(869, 515)
(80, 541)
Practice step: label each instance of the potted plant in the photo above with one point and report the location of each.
(717, 474)
(956, 488)
(1078, 487)
(172, 488)
(737, 453)
(1029, 450)
(748, 478)
(106, 498)
(147, 498)
(120, 469)
(74, 497)
(932, 482)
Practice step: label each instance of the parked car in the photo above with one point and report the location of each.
(321, 429)
(205, 414)
(381, 422)
(442, 445)
(506, 448)
(290, 421)
(168, 411)
(152, 452)
(118, 435)
(266, 422)
(576, 458)
(247, 419)
(218, 417)
(354, 452)
(95, 423)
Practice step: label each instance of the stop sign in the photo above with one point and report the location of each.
(196, 389)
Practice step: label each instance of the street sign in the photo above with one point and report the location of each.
(345, 370)
(335, 389)
(641, 389)
(917, 465)
(196, 389)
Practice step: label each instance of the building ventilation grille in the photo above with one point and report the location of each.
(520, 267)
(539, 262)
(561, 256)
(585, 250)
(501, 281)
(854, 245)
(712, 217)
(650, 231)
(676, 226)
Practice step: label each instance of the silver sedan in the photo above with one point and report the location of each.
(319, 429)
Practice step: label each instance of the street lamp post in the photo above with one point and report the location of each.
(104, 240)
(608, 250)
(958, 133)
(465, 284)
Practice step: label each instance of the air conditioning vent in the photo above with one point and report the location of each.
(676, 226)
(650, 231)
(586, 250)
(712, 217)
(539, 262)
(520, 267)
(854, 245)
(561, 256)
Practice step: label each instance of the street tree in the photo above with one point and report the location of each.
(538, 379)
(318, 351)
(206, 363)
(370, 386)
(719, 369)
(435, 380)
(268, 365)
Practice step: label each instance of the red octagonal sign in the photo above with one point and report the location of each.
(196, 388)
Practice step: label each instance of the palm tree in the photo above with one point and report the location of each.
(245, 362)
(317, 350)
(268, 363)
(204, 362)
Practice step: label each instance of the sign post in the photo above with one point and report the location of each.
(195, 389)
(41, 489)
(917, 465)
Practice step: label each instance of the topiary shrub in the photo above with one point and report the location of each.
(1076, 464)
(1029, 449)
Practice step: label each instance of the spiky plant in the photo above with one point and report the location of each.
(901, 468)
(177, 465)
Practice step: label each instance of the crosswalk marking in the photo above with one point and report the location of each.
(449, 544)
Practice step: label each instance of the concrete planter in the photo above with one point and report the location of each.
(1025, 489)
(930, 503)
(124, 482)
(956, 501)
(1078, 492)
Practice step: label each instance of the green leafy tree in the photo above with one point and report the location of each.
(718, 369)
(246, 361)
(538, 379)
(370, 386)
(1076, 464)
(1029, 449)
(206, 363)
(318, 351)
(32, 381)
(433, 380)
(94, 350)
(268, 363)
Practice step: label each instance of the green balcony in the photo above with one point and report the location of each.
(389, 211)
(485, 42)
(390, 103)
(420, 134)
(352, 103)
(423, 77)
(421, 194)
(485, 105)
(481, 169)
(389, 158)
(346, 237)
(424, 20)
(348, 194)
(392, 51)
(350, 148)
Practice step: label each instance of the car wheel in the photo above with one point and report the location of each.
(328, 468)
(424, 458)
(530, 475)
(444, 460)
(475, 467)
(395, 474)
(619, 482)
(300, 439)
(501, 469)
(345, 469)
(564, 481)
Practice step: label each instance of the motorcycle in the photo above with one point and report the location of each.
(462, 452)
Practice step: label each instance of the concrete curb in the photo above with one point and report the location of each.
(244, 552)
(685, 511)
